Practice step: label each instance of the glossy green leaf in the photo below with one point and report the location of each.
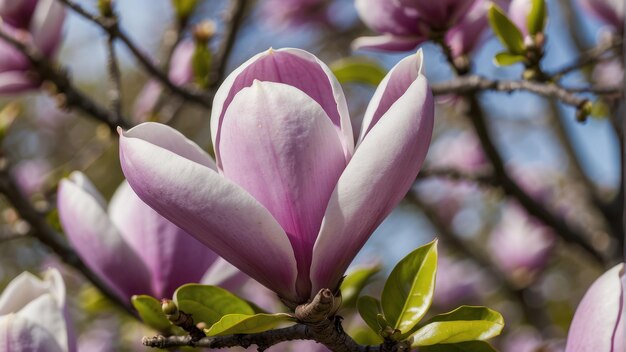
(365, 336)
(248, 324)
(408, 292)
(354, 283)
(537, 17)
(460, 325)
(508, 59)
(209, 304)
(149, 309)
(470, 346)
(358, 70)
(509, 35)
(369, 309)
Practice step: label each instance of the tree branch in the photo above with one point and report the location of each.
(458, 175)
(69, 95)
(232, 23)
(112, 28)
(41, 230)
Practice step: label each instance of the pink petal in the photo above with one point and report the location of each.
(598, 323)
(167, 171)
(47, 25)
(97, 240)
(279, 145)
(389, 17)
(293, 67)
(388, 42)
(181, 71)
(17, 12)
(13, 82)
(172, 256)
(25, 335)
(380, 173)
(392, 87)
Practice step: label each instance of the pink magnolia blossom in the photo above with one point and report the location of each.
(520, 245)
(404, 24)
(598, 323)
(134, 249)
(38, 23)
(290, 199)
(33, 315)
(295, 12)
(518, 13)
(609, 11)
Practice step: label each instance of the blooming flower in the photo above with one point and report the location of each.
(38, 23)
(609, 11)
(290, 199)
(598, 323)
(404, 24)
(33, 315)
(130, 246)
(295, 13)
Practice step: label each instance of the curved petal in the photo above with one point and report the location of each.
(214, 210)
(225, 275)
(279, 145)
(389, 17)
(388, 42)
(181, 70)
(392, 87)
(518, 13)
(441, 14)
(13, 82)
(598, 323)
(172, 256)
(21, 334)
(293, 67)
(17, 13)
(46, 26)
(380, 173)
(97, 240)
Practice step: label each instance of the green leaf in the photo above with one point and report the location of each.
(358, 70)
(507, 59)
(369, 309)
(537, 17)
(149, 309)
(209, 304)
(509, 35)
(354, 283)
(460, 325)
(201, 65)
(470, 346)
(365, 336)
(248, 324)
(408, 292)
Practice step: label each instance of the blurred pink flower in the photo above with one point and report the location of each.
(36, 22)
(598, 323)
(33, 315)
(458, 282)
(30, 175)
(520, 245)
(295, 13)
(290, 200)
(609, 11)
(134, 249)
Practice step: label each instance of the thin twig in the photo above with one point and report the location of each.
(458, 175)
(232, 23)
(112, 28)
(587, 58)
(115, 91)
(69, 96)
(48, 236)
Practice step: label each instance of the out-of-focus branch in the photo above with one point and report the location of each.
(474, 83)
(510, 187)
(592, 56)
(41, 230)
(233, 20)
(458, 175)
(534, 316)
(68, 95)
(115, 90)
(112, 28)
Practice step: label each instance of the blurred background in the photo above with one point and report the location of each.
(493, 252)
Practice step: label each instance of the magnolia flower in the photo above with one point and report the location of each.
(598, 323)
(131, 247)
(518, 13)
(38, 23)
(295, 12)
(33, 315)
(180, 73)
(467, 35)
(404, 24)
(290, 199)
(520, 245)
(609, 11)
